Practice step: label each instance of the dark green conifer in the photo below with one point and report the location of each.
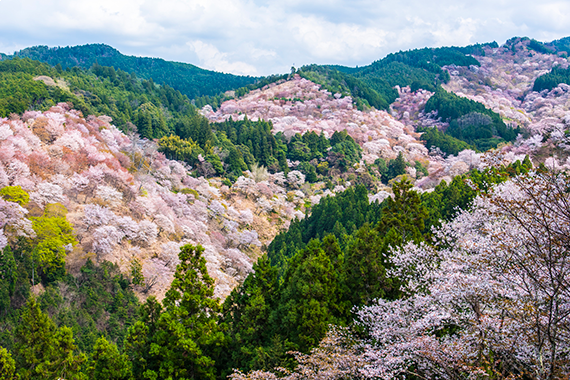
(44, 351)
(107, 363)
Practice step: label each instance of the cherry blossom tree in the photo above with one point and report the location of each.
(96, 216)
(109, 195)
(148, 232)
(106, 238)
(13, 220)
(295, 178)
(490, 299)
(3, 240)
(128, 227)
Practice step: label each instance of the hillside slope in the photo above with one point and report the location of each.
(126, 201)
(186, 78)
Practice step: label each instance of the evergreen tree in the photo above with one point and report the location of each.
(44, 351)
(107, 363)
(8, 278)
(364, 269)
(7, 365)
(403, 216)
(246, 313)
(140, 338)
(137, 277)
(187, 333)
(309, 297)
(396, 167)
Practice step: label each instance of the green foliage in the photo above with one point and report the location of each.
(562, 46)
(181, 337)
(420, 169)
(342, 214)
(8, 278)
(446, 143)
(540, 47)
(19, 91)
(552, 79)
(137, 277)
(97, 302)
(309, 295)
(107, 363)
(469, 120)
(244, 144)
(140, 338)
(188, 79)
(431, 59)
(364, 275)
(15, 194)
(124, 98)
(322, 281)
(150, 121)
(373, 85)
(7, 365)
(396, 167)
(246, 313)
(477, 49)
(403, 214)
(446, 199)
(341, 82)
(42, 350)
(53, 234)
(193, 126)
(347, 151)
(250, 138)
(383, 76)
(176, 148)
(420, 68)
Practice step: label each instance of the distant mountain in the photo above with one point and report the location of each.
(374, 83)
(186, 78)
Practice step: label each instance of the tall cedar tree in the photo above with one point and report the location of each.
(403, 216)
(182, 336)
(44, 351)
(309, 299)
(363, 274)
(107, 363)
(8, 278)
(246, 313)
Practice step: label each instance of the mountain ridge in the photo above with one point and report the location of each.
(191, 80)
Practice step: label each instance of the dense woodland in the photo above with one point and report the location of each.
(313, 276)
(160, 112)
(355, 289)
(552, 79)
(469, 121)
(373, 85)
(190, 80)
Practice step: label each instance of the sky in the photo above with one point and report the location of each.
(254, 37)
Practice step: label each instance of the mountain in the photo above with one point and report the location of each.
(186, 78)
(296, 201)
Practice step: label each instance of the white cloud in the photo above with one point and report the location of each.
(264, 37)
(328, 41)
(211, 58)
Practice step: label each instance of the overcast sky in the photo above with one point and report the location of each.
(267, 37)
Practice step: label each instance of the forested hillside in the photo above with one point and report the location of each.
(190, 80)
(406, 219)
